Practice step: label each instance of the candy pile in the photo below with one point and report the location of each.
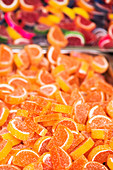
(83, 22)
(56, 110)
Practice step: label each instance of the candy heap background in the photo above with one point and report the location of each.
(84, 22)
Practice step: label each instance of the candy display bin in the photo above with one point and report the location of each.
(56, 84)
(55, 114)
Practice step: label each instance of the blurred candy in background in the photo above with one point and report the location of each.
(83, 22)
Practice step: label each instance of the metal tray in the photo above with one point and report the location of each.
(108, 53)
(69, 49)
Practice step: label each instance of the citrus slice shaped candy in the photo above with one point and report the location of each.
(60, 158)
(16, 97)
(10, 167)
(99, 122)
(7, 159)
(81, 11)
(49, 123)
(44, 77)
(41, 29)
(34, 52)
(76, 96)
(82, 148)
(5, 89)
(56, 37)
(45, 21)
(52, 54)
(70, 63)
(18, 129)
(63, 137)
(100, 64)
(41, 143)
(58, 4)
(105, 42)
(60, 108)
(85, 5)
(8, 136)
(68, 122)
(31, 106)
(100, 153)
(46, 109)
(4, 113)
(95, 96)
(44, 63)
(95, 165)
(12, 114)
(17, 81)
(69, 12)
(53, 18)
(78, 138)
(35, 127)
(105, 87)
(62, 97)
(5, 148)
(75, 38)
(24, 157)
(48, 117)
(80, 112)
(58, 70)
(26, 6)
(22, 60)
(63, 84)
(22, 112)
(98, 133)
(7, 6)
(28, 74)
(40, 100)
(29, 6)
(21, 41)
(12, 33)
(96, 110)
(5, 71)
(83, 70)
(45, 159)
(48, 90)
(84, 23)
(6, 56)
(81, 56)
(79, 163)
(67, 24)
(29, 143)
(55, 11)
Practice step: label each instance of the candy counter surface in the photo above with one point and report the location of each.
(84, 23)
